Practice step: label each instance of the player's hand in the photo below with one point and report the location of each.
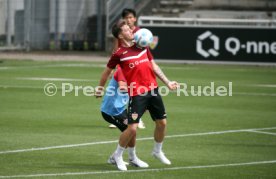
(172, 85)
(122, 86)
(99, 91)
(123, 89)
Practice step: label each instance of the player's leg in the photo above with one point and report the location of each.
(132, 156)
(133, 159)
(120, 121)
(159, 134)
(158, 114)
(160, 130)
(136, 108)
(123, 120)
(115, 120)
(124, 139)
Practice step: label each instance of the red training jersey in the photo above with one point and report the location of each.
(118, 75)
(136, 66)
(135, 29)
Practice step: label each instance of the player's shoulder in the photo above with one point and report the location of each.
(136, 29)
(118, 52)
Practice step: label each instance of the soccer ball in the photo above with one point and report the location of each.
(143, 37)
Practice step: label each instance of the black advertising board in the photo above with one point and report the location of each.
(204, 43)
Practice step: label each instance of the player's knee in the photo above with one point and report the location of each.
(132, 129)
(134, 136)
(161, 123)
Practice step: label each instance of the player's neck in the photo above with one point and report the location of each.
(126, 43)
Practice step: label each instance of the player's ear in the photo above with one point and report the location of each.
(120, 36)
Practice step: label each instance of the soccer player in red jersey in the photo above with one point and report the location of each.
(140, 72)
(129, 15)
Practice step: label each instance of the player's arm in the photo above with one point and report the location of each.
(121, 80)
(111, 74)
(113, 61)
(172, 85)
(105, 75)
(159, 73)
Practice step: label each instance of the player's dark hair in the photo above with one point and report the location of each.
(126, 12)
(116, 28)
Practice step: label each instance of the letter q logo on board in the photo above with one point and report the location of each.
(212, 51)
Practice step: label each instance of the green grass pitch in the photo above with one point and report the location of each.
(207, 137)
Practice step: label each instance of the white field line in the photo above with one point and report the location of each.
(53, 66)
(254, 94)
(53, 79)
(4, 68)
(179, 68)
(261, 132)
(142, 170)
(234, 93)
(264, 85)
(77, 65)
(139, 139)
(20, 87)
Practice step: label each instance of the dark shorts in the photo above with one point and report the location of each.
(151, 101)
(120, 120)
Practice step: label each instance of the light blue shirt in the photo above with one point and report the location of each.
(114, 102)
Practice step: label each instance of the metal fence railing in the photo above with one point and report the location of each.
(60, 24)
(214, 22)
(51, 24)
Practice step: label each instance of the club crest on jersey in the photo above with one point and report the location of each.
(134, 116)
(154, 42)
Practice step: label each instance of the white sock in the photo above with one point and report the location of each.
(119, 151)
(158, 147)
(131, 153)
